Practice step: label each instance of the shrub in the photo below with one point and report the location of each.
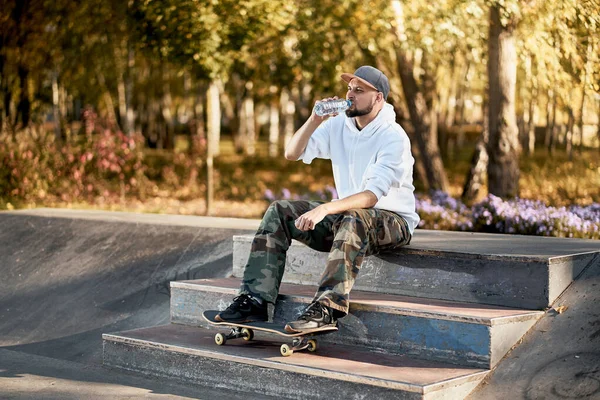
(35, 167)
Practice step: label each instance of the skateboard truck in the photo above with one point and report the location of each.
(234, 333)
(297, 345)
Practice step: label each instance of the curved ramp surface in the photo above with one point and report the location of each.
(68, 277)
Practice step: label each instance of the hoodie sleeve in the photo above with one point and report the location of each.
(318, 144)
(392, 165)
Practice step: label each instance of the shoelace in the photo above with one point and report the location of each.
(239, 301)
(311, 311)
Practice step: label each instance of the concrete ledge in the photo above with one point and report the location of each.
(334, 372)
(141, 218)
(508, 270)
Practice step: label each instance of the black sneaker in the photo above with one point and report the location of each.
(244, 309)
(315, 316)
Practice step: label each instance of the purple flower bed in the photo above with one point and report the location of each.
(443, 212)
(517, 216)
(530, 217)
(492, 215)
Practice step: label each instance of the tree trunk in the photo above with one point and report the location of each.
(213, 109)
(6, 112)
(166, 104)
(108, 102)
(448, 98)
(240, 140)
(199, 141)
(580, 123)
(188, 110)
(287, 111)
(210, 183)
(143, 110)
(237, 88)
(598, 127)
(63, 102)
(550, 111)
(456, 108)
(553, 130)
(5, 92)
(167, 117)
(302, 95)
(463, 88)
(274, 129)
(55, 107)
(423, 125)
(249, 126)
(214, 116)
(503, 144)
(130, 118)
(529, 143)
(570, 134)
(479, 163)
(24, 106)
(120, 65)
(228, 110)
(425, 128)
(247, 123)
(527, 134)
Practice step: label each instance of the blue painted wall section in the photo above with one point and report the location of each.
(459, 341)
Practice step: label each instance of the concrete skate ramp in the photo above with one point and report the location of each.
(560, 357)
(69, 276)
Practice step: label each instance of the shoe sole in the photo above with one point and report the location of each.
(327, 327)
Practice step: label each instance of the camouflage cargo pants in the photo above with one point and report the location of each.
(348, 237)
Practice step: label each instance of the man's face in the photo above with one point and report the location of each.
(363, 98)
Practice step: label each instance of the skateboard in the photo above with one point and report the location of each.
(246, 331)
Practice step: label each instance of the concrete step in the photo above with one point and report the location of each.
(460, 333)
(508, 270)
(256, 367)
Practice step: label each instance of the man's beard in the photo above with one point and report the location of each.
(358, 113)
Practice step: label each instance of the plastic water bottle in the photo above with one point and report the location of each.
(332, 107)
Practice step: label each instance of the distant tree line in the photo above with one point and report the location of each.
(203, 67)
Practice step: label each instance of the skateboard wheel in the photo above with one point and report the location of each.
(220, 339)
(312, 345)
(286, 351)
(247, 334)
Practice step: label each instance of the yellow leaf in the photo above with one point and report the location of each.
(561, 309)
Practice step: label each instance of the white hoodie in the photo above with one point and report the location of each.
(376, 158)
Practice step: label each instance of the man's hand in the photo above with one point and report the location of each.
(309, 220)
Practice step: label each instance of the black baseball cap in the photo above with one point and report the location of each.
(372, 77)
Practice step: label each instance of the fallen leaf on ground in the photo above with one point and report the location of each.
(561, 309)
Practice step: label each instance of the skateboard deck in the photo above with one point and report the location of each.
(246, 331)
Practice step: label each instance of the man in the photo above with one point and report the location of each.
(372, 167)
